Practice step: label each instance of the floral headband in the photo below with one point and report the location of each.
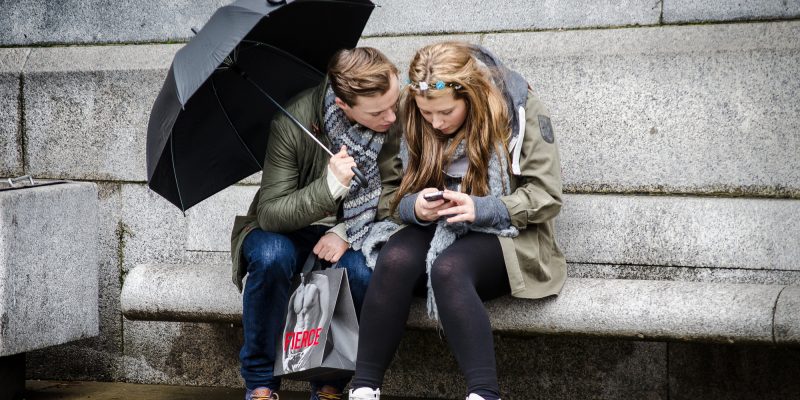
(439, 85)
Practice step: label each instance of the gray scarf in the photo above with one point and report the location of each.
(360, 203)
(446, 233)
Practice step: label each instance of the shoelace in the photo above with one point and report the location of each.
(329, 396)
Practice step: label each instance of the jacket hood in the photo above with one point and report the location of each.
(513, 85)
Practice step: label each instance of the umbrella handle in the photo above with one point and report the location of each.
(362, 180)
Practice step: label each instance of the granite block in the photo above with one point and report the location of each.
(407, 17)
(687, 109)
(11, 64)
(86, 110)
(754, 234)
(97, 358)
(25, 22)
(210, 222)
(48, 266)
(680, 11)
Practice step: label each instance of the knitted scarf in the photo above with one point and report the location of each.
(446, 233)
(363, 144)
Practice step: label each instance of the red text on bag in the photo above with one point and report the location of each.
(298, 340)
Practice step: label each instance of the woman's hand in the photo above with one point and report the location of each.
(428, 210)
(461, 207)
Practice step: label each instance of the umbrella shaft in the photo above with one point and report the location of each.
(285, 112)
(359, 176)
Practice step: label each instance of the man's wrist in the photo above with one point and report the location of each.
(336, 188)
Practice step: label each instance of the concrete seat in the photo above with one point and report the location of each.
(616, 308)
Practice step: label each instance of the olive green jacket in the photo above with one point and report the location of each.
(535, 265)
(294, 193)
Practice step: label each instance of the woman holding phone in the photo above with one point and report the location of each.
(476, 132)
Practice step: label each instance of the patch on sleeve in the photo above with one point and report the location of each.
(546, 128)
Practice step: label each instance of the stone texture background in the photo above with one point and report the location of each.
(48, 266)
(678, 127)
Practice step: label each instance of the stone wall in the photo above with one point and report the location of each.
(678, 137)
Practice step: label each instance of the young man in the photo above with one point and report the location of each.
(303, 190)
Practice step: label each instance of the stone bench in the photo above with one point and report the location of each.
(615, 308)
(49, 265)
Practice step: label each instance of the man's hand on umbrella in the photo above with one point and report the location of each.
(330, 247)
(342, 165)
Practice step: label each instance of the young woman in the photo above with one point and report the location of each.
(475, 131)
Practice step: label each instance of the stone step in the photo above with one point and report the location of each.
(688, 109)
(710, 232)
(26, 22)
(630, 309)
(677, 11)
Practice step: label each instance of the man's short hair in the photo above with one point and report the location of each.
(362, 71)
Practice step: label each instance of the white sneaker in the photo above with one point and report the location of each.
(364, 393)
(473, 396)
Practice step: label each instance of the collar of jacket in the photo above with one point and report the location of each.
(317, 127)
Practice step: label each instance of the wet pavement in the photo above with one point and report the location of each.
(52, 390)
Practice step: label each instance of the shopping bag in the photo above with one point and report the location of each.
(320, 335)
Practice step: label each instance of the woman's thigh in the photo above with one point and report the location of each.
(475, 259)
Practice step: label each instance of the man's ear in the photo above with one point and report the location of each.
(339, 102)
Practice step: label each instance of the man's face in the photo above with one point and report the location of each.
(378, 112)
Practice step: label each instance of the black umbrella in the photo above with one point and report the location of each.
(209, 124)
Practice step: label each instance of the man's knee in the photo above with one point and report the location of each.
(269, 253)
(356, 265)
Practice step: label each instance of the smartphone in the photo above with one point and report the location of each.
(433, 196)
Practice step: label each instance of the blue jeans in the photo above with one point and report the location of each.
(272, 260)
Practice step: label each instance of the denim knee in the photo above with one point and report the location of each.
(356, 265)
(358, 275)
(269, 254)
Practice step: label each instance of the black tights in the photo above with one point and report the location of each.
(467, 273)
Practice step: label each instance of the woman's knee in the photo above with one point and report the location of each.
(396, 259)
(445, 274)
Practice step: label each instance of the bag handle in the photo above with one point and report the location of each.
(312, 264)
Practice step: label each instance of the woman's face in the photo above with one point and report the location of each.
(445, 113)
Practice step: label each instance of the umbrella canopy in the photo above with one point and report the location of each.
(209, 124)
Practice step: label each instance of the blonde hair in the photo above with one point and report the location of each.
(486, 127)
(362, 71)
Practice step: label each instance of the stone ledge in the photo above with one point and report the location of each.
(96, 21)
(679, 11)
(680, 231)
(646, 110)
(440, 16)
(630, 309)
(613, 229)
(25, 22)
(669, 109)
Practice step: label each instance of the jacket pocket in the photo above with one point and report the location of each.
(529, 255)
